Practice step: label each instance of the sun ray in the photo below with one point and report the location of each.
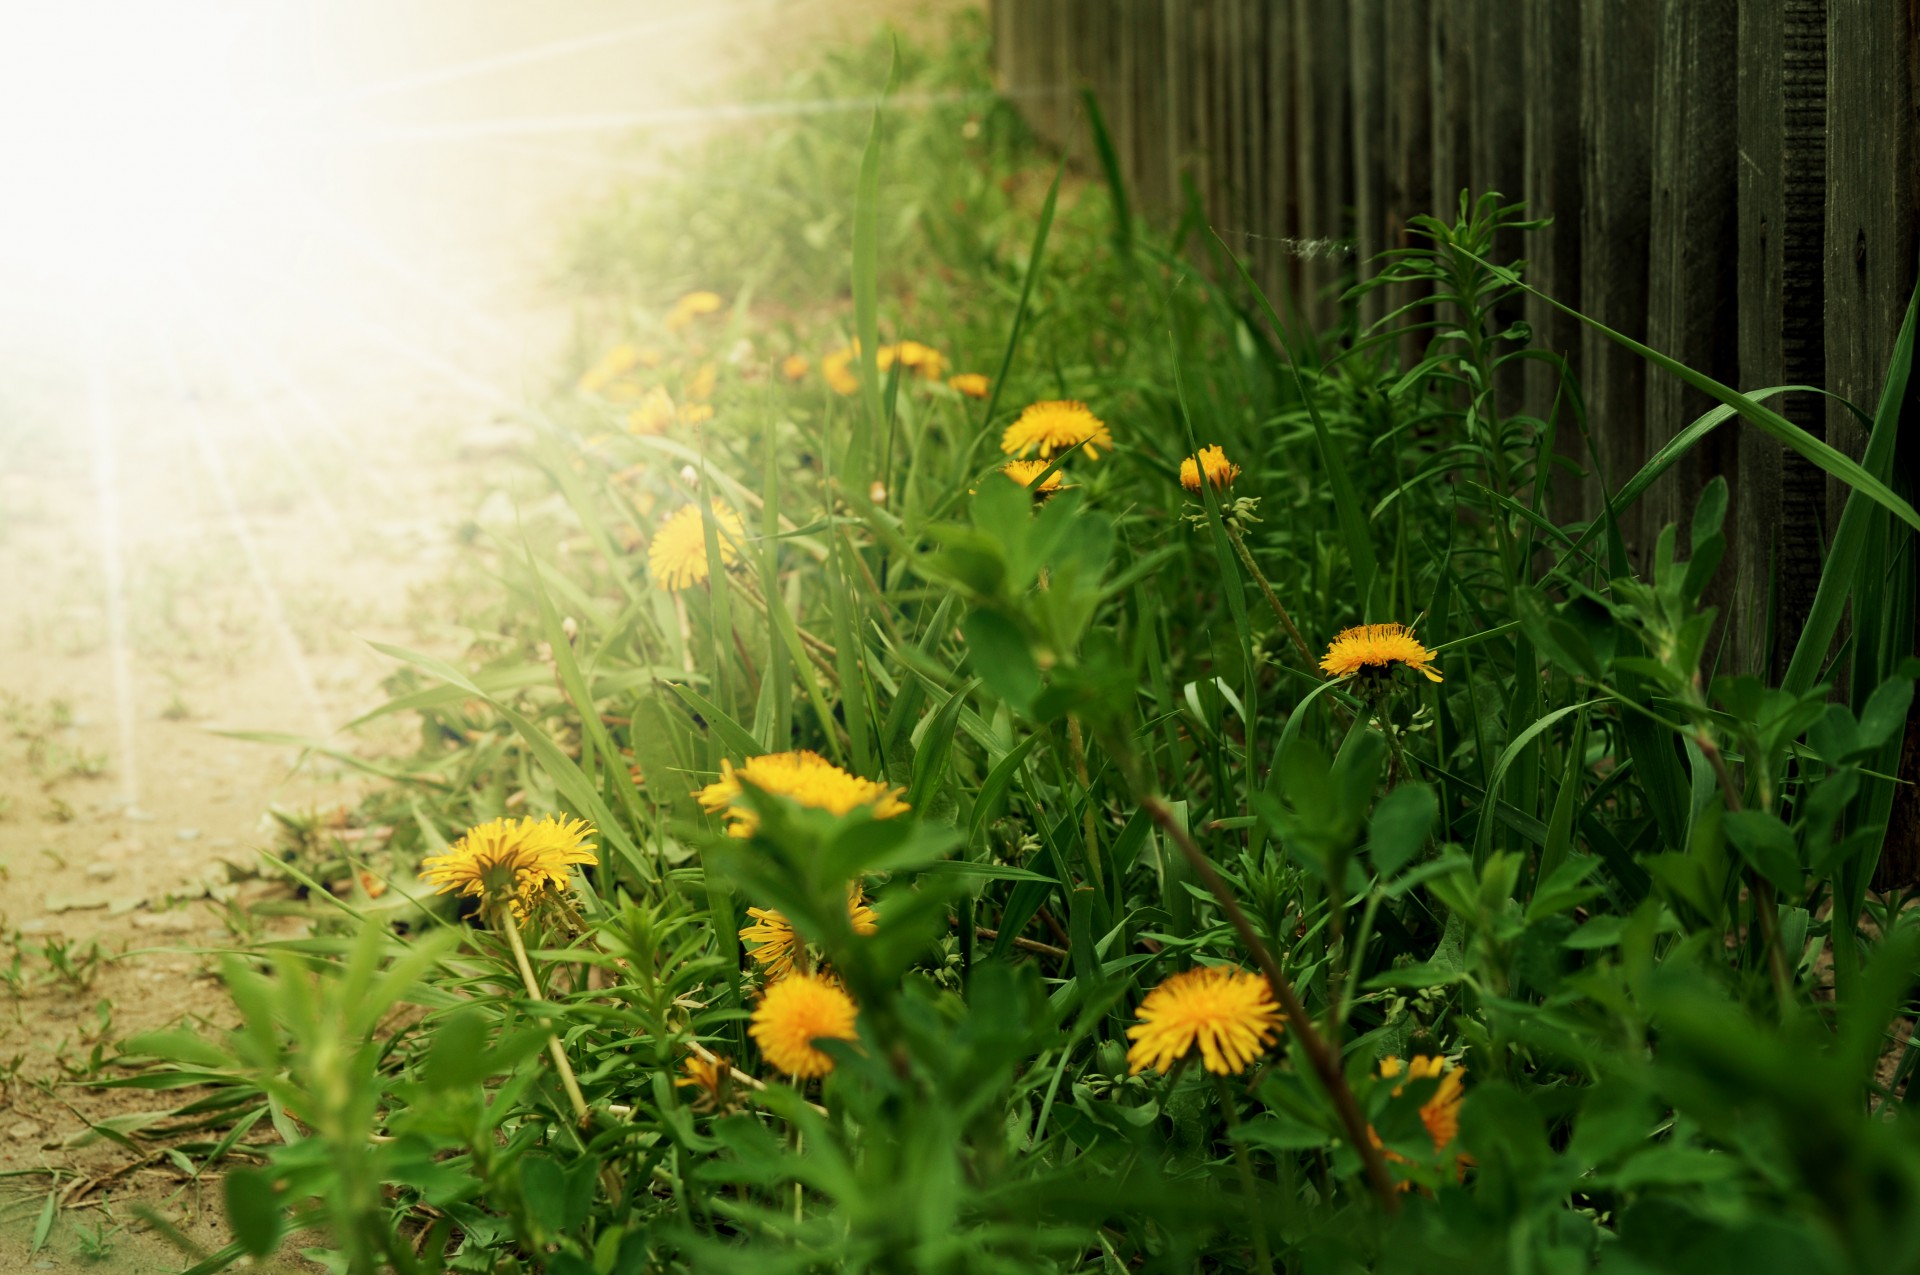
(200, 306)
(272, 605)
(434, 77)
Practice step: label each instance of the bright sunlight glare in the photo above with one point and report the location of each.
(135, 136)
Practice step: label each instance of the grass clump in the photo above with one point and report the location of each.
(1185, 803)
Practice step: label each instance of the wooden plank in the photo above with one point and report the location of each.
(1551, 146)
(1278, 272)
(1323, 149)
(1451, 111)
(1366, 61)
(1616, 90)
(1691, 246)
(1496, 156)
(1779, 509)
(1872, 219)
(1408, 190)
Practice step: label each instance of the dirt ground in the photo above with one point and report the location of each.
(213, 493)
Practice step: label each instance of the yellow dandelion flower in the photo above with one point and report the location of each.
(677, 558)
(794, 367)
(1441, 1112)
(654, 415)
(803, 776)
(699, 386)
(793, 1014)
(774, 945)
(711, 1078)
(1046, 428)
(838, 369)
(972, 384)
(696, 413)
(1219, 470)
(694, 305)
(1228, 1012)
(923, 360)
(512, 862)
(1371, 647)
(1025, 471)
(612, 365)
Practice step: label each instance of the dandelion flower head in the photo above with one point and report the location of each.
(699, 386)
(838, 369)
(677, 558)
(1441, 1112)
(794, 367)
(654, 414)
(612, 365)
(1229, 1013)
(1053, 426)
(515, 862)
(1377, 647)
(707, 1075)
(774, 945)
(694, 305)
(972, 384)
(802, 776)
(1025, 471)
(923, 360)
(1212, 461)
(793, 1014)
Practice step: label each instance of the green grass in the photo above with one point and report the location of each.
(1592, 870)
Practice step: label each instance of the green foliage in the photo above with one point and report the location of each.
(1619, 889)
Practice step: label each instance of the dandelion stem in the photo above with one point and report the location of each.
(1273, 599)
(1325, 1063)
(560, 1063)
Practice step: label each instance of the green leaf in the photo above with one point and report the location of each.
(253, 1211)
(1001, 657)
(1401, 823)
(1765, 843)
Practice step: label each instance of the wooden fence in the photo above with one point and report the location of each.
(1736, 184)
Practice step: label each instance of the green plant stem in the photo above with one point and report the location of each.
(1273, 599)
(1262, 1253)
(1089, 824)
(1765, 904)
(559, 1054)
(1325, 1063)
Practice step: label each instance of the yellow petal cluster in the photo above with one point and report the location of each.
(1025, 471)
(1046, 428)
(794, 367)
(972, 384)
(654, 415)
(677, 558)
(1229, 1014)
(793, 1014)
(802, 776)
(695, 305)
(1213, 463)
(1441, 1112)
(1377, 647)
(512, 862)
(612, 365)
(774, 945)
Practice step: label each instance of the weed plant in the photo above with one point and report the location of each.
(1540, 940)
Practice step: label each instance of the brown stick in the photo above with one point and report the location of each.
(1319, 1054)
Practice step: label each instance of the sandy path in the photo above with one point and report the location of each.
(211, 498)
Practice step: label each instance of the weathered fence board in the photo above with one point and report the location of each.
(1714, 189)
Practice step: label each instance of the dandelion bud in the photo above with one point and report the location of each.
(877, 493)
(570, 627)
(689, 475)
